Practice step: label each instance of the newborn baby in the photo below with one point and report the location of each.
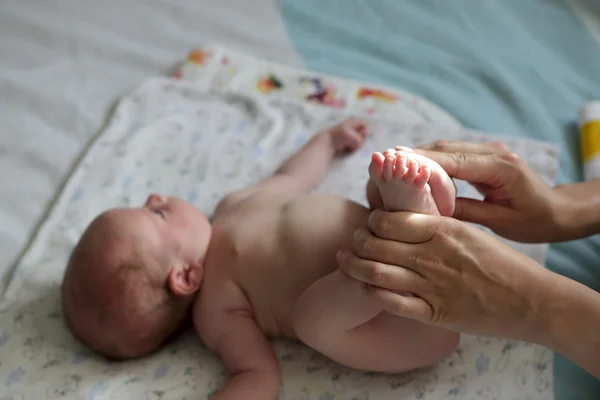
(266, 268)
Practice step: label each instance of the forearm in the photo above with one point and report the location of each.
(310, 164)
(578, 209)
(251, 385)
(572, 324)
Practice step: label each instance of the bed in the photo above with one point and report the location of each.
(514, 68)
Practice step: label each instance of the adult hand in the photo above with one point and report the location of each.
(446, 273)
(517, 205)
(460, 277)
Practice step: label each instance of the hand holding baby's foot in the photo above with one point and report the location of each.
(411, 182)
(349, 136)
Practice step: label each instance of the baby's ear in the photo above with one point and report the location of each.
(184, 280)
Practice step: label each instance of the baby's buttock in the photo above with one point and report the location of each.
(299, 250)
(274, 295)
(273, 300)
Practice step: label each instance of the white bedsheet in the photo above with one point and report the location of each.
(64, 62)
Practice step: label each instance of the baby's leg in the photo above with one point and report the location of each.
(337, 317)
(411, 182)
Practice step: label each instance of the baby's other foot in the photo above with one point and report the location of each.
(349, 135)
(411, 182)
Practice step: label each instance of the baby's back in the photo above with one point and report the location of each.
(275, 247)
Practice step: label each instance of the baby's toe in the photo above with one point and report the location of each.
(388, 167)
(412, 171)
(422, 177)
(376, 166)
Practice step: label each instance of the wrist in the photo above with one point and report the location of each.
(576, 209)
(542, 305)
(547, 323)
(571, 322)
(564, 216)
(328, 138)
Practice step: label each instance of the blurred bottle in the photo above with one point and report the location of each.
(589, 139)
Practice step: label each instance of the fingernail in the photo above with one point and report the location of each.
(374, 217)
(358, 234)
(342, 254)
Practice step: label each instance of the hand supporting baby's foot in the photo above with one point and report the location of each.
(411, 182)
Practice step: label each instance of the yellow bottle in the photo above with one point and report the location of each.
(589, 137)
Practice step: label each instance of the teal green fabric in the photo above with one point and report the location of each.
(518, 67)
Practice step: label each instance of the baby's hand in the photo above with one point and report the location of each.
(349, 136)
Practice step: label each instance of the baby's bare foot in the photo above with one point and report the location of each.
(411, 182)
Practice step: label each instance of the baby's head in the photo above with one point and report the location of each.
(132, 277)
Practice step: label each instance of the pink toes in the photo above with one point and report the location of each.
(376, 166)
(412, 171)
(423, 177)
(399, 165)
(405, 180)
(388, 167)
(389, 152)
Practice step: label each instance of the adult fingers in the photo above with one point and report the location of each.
(492, 169)
(403, 226)
(392, 277)
(404, 148)
(448, 146)
(410, 307)
(369, 247)
(482, 188)
(480, 212)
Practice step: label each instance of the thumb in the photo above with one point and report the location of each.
(491, 169)
(480, 212)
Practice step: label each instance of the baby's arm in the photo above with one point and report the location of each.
(249, 357)
(305, 169)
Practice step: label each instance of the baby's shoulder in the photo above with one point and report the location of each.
(230, 200)
(251, 202)
(219, 296)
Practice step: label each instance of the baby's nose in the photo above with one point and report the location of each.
(155, 199)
